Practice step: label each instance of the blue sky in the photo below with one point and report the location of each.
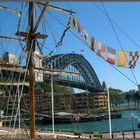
(125, 14)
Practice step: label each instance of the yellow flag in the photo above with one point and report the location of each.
(73, 22)
(93, 43)
(122, 58)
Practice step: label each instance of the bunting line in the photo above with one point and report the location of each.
(110, 54)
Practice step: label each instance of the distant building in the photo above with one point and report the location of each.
(89, 103)
(1, 61)
(38, 63)
(10, 58)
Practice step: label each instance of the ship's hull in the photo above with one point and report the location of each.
(62, 120)
(57, 120)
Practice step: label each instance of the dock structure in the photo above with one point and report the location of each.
(14, 84)
(16, 133)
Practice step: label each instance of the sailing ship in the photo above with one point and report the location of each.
(14, 69)
(30, 37)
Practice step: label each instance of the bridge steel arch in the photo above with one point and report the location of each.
(61, 61)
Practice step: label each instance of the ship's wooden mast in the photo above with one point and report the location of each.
(31, 36)
(31, 45)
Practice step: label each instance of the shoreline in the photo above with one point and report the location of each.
(6, 132)
(47, 132)
(125, 108)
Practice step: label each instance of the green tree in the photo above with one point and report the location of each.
(136, 97)
(116, 96)
(47, 87)
(104, 86)
(127, 97)
(133, 98)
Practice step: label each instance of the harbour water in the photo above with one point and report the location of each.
(128, 122)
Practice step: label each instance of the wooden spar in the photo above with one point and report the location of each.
(17, 68)
(15, 84)
(31, 35)
(59, 9)
(10, 9)
(11, 38)
(40, 17)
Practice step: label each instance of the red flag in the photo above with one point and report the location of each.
(111, 55)
(101, 50)
(80, 28)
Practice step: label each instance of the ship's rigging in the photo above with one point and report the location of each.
(30, 38)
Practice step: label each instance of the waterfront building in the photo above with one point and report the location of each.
(38, 63)
(88, 103)
(1, 61)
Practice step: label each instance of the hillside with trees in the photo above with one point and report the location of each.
(118, 97)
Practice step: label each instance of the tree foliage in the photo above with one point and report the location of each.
(132, 96)
(128, 97)
(116, 97)
(104, 86)
(56, 88)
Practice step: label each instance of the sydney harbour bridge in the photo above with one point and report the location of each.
(71, 62)
(87, 80)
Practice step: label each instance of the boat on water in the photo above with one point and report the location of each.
(70, 118)
(138, 125)
(114, 116)
(65, 118)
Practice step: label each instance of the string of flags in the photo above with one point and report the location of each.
(125, 59)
